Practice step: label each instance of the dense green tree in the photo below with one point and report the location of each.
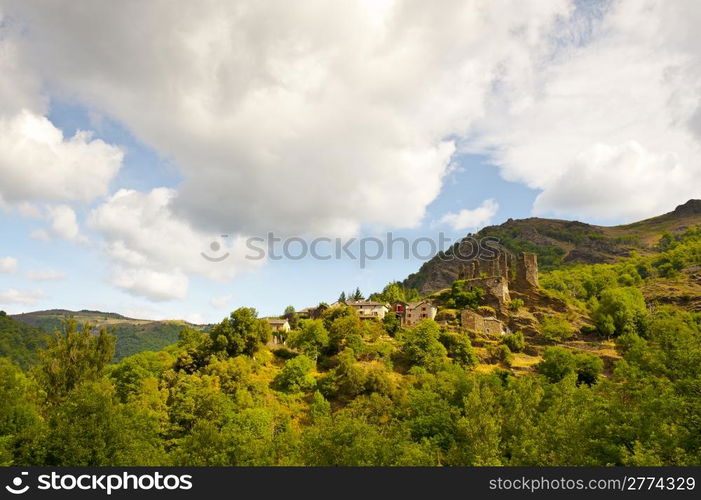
(241, 333)
(391, 323)
(92, 428)
(588, 368)
(72, 357)
(557, 363)
(422, 347)
(296, 375)
(291, 316)
(620, 310)
(20, 420)
(459, 348)
(311, 339)
(346, 331)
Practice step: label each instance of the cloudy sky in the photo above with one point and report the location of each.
(135, 136)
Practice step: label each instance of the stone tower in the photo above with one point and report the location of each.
(527, 270)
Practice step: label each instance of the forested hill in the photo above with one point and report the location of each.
(133, 335)
(561, 242)
(18, 341)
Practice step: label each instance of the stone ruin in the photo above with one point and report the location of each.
(473, 321)
(497, 276)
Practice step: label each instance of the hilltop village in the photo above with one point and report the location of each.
(492, 281)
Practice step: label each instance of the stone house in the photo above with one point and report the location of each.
(279, 325)
(368, 309)
(411, 313)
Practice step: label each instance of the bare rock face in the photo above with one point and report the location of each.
(691, 207)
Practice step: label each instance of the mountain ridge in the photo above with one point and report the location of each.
(560, 242)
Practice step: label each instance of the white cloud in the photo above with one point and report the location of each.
(155, 285)
(290, 116)
(472, 219)
(221, 302)
(155, 250)
(608, 126)
(40, 234)
(64, 223)
(322, 117)
(38, 164)
(8, 265)
(26, 297)
(46, 275)
(600, 177)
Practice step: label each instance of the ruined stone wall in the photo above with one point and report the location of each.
(527, 270)
(520, 272)
(496, 289)
(471, 320)
(493, 326)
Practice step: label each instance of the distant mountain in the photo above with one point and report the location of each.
(133, 335)
(561, 242)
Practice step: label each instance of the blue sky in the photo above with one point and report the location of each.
(132, 137)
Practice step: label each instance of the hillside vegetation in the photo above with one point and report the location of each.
(132, 335)
(612, 378)
(19, 342)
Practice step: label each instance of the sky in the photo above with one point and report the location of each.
(144, 146)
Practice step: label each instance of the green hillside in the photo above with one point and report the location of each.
(601, 366)
(18, 341)
(132, 335)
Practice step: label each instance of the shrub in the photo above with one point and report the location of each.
(500, 354)
(422, 347)
(284, 353)
(378, 380)
(556, 329)
(459, 348)
(447, 315)
(588, 367)
(296, 375)
(515, 305)
(514, 341)
(486, 311)
(349, 376)
(557, 363)
(620, 310)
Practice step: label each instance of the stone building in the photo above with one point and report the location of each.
(412, 313)
(473, 321)
(496, 276)
(368, 309)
